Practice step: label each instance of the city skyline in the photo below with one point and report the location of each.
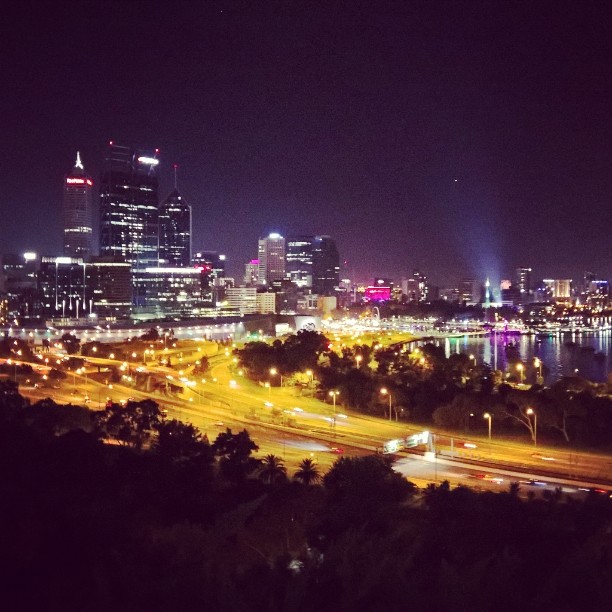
(457, 139)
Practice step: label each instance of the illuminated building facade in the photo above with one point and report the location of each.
(524, 284)
(299, 260)
(313, 262)
(251, 273)
(77, 212)
(271, 254)
(175, 232)
(415, 289)
(19, 284)
(129, 207)
(70, 288)
(168, 292)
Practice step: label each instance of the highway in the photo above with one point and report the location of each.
(285, 422)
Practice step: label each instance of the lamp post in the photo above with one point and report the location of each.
(274, 372)
(385, 391)
(333, 395)
(473, 358)
(530, 412)
(489, 418)
(538, 364)
(359, 359)
(521, 369)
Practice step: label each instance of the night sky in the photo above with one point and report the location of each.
(460, 138)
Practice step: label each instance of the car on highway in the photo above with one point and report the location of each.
(487, 477)
(336, 450)
(533, 482)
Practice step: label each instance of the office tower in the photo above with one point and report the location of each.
(271, 253)
(325, 266)
(214, 264)
(77, 212)
(251, 272)
(299, 260)
(415, 289)
(469, 293)
(129, 206)
(523, 283)
(175, 230)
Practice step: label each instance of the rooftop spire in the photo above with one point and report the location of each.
(175, 166)
(78, 163)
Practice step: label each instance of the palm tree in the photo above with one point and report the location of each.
(272, 469)
(307, 472)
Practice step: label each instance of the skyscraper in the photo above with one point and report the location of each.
(129, 206)
(175, 230)
(299, 260)
(271, 255)
(77, 212)
(325, 266)
(523, 283)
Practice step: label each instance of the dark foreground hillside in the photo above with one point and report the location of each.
(196, 526)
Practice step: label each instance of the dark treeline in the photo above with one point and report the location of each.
(427, 387)
(163, 519)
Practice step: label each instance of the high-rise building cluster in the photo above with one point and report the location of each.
(146, 268)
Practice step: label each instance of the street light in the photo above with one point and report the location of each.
(274, 372)
(473, 358)
(359, 359)
(538, 364)
(521, 369)
(489, 418)
(531, 411)
(384, 391)
(333, 395)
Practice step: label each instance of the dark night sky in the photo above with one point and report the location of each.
(457, 137)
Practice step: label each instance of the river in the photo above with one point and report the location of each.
(588, 354)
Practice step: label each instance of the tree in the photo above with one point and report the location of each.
(234, 452)
(272, 470)
(71, 343)
(457, 414)
(307, 472)
(150, 336)
(11, 402)
(366, 480)
(181, 442)
(519, 410)
(131, 425)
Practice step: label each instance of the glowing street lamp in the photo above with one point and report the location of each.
(530, 412)
(274, 372)
(359, 359)
(334, 395)
(385, 391)
(521, 368)
(489, 418)
(538, 364)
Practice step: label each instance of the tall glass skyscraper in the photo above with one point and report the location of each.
(299, 260)
(77, 212)
(129, 206)
(175, 231)
(314, 262)
(325, 265)
(271, 254)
